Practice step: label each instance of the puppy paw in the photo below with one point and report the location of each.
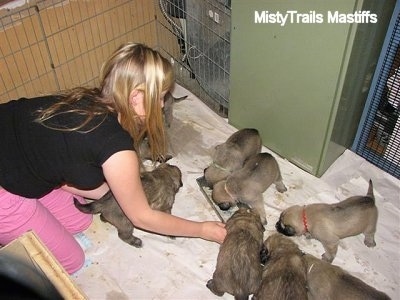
(137, 243)
(369, 243)
(280, 187)
(133, 241)
(209, 284)
(211, 287)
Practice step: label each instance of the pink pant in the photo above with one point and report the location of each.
(54, 218)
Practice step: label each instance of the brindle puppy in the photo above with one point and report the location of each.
(230, 155)
(160, 186)
(168, 109)
(284, 274)
(169, 102)
(238, 270)
(327, 281)
(248, 184)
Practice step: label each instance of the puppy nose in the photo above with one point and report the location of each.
(263, 255)
(278, 225)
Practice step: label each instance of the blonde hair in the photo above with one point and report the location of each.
(131, 67)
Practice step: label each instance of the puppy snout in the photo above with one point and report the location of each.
(278, 226)
(263, 255)
(224, 206)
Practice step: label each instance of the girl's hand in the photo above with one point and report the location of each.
(213, 231)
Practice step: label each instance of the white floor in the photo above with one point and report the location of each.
(179, 269)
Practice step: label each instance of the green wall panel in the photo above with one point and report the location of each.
(287, 81)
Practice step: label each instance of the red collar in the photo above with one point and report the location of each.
(304, 217)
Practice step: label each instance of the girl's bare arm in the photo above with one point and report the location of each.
(121, 171)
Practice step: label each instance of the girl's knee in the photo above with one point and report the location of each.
(66, 250)
(73, 262)
(19, 215)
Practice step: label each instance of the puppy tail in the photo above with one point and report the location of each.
(180, 98)
(370, 192)
(88, 208)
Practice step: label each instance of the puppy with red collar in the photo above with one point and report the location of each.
(328, 223)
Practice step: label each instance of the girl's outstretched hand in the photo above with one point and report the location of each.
(213, 231)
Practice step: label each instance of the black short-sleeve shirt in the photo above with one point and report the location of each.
(35, 159)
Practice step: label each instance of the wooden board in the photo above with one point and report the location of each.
(30, 250)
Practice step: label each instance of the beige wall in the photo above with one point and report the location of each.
(46, 46)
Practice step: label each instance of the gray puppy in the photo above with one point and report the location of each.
(327, 281)
(160, 186)
(230, 155)
(329, 223)
(169, 102)
(248, 184)
(168, 109)
(285, 273)
(238, 270)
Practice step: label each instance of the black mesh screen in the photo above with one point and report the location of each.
(379, 140)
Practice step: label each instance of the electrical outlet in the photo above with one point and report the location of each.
(216, 17)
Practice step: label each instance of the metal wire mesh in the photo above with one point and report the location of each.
(379, 140)
(202, 31)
